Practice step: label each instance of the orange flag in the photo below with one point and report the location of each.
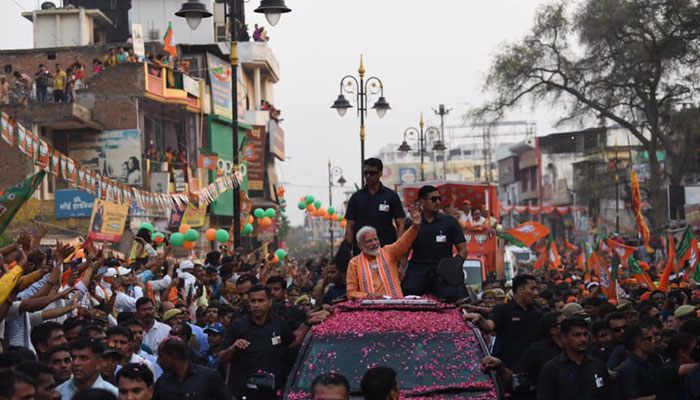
(525, 234)
(663, 282)
(167, 39)
(554, 259)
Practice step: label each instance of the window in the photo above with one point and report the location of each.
(533, 178)
(221, 33)
(477, 171)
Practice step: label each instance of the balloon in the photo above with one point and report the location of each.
(158, 237)
(326, 217)
(301, 205)
(275, 259)
(247, 228)
(250, 219)
(335, 217)
(317, 203)
(331, 210)
(191, 235)
(340, 217)
(343, 223)
(259, 213)
(146, 225)
(281, 253)
(210, 234)
(188, 245)
(265, 221)
(309, 199)
(184, 228)
(321, 211)
(177, 239)
(310, 208)
(270, 213)
(222, 236)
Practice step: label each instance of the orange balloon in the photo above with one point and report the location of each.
(188, 245)
(321, 211)
(184, 228)
(326, 217)
(158, 239)
(210, 234)
(250, 219)
(275, 259)
(343, 223)
(335, 217)
(310, 207)
(265, 221)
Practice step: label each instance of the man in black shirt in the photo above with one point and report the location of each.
(670, 376)
(636, 375)
(184, 380)
(437, 235)
(574, 374)
(258, 343)
(374, 205)
(517, 323)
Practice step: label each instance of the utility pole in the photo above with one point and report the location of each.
(442, 111)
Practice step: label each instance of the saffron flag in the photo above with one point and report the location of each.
(607, 286)
(524, 235)
(637, 209)
(13, 198)
(623, 252)
(539, 263)
(663, 282)
(639, 275)
(570, 245)
(167, 39)
(554, 259)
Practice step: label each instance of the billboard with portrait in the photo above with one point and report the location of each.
(116, 155)
(108, 221)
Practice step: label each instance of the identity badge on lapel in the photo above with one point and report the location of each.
(440, 238)
(276, 339)
(384, 207)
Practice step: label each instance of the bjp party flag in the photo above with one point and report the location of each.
(524, 235)
(12, 198)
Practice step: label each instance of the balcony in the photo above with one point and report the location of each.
(259, 55)
(54, 116)
(183, 89)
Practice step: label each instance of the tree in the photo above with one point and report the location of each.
(632, 62)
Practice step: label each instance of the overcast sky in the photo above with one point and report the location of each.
(426, 53)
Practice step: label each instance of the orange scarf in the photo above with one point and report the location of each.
(389, 278)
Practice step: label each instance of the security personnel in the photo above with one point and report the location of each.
(257, 342)
(437, 234)
(574, 374)
(374, 205)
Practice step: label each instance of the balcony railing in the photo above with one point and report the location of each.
(158, 87)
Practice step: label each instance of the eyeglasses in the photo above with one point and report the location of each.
(371, 173)
(435, 199)
(618, 329)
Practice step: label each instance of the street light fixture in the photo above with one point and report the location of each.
(193, 11)
(334, 174)
(371, 86)
(420, 135)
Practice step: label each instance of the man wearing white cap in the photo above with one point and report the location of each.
(124, 301)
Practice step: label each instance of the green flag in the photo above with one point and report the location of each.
(634, 267)
(683, 246)
(13, 198)
(696, 273)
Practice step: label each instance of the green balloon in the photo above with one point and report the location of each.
(177, 239)
(259, 213)
(283, 209)
(222, 236)
(331, 210)
(301, 205)
(309, 199)
(340, 217)
(317, 204)
(158, 234)
(270, 213)
(146, 225)
(191, 235)
(247, 228)
(281, 254)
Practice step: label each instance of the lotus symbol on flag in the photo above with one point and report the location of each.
(526, 229)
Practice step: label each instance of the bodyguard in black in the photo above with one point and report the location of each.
(636, 375)
(374, 205)
(183, 379)
(257, 343)
(574, 375)
(437, 235)
(517, 323)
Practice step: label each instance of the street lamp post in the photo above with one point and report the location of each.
(442, 111)
(363, 91)
(334, 174)
(193, 11)
(420, 135)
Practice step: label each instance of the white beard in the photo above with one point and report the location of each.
(371, 253)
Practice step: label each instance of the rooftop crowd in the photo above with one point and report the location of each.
(81, 323)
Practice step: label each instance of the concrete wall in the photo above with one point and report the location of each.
(155, 15)
(63, 30)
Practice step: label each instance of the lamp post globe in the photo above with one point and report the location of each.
(381, 106)
(341, 105)
(193, 11)
(273, 10)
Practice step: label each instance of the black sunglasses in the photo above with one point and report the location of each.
(435, 199)
(371, 172)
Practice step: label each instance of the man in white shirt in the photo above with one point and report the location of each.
(123, 339)
(153, 331)
(86, 354)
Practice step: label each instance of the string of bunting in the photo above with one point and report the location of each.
(80, 177)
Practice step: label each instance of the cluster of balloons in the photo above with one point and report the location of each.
(278, 256)
(220, 235)
(265, 217)
(186, 236)
(314, 208)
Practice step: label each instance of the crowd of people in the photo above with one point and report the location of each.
(80, 323)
